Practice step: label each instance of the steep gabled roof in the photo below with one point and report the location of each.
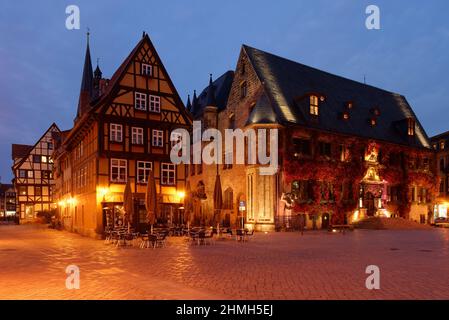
(24, 157)
(113, 86)
(289, 84)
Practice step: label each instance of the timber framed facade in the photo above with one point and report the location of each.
(33, 176)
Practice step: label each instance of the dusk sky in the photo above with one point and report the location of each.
(41, 61)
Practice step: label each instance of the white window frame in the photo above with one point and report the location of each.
(137, 135)
(155, 103)
(115, 132)
(143, 169)
(146, 70)
(122, 169)
(168, 173)
(140, 101)
(157, 139)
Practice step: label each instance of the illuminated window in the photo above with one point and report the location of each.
(410, 127)
(136, 135)
(116, 133)
(345, 115)
(147, 70)
(30, 174)
(375, 111)
(44, 159)
(442, 145)
(344, 153)
(158, 138)
(140, 101)
(155, 103)
(22, 190)
(119, 168)
(373, 122)
(314, 105)
(349, 104)
(168, 173)
(143, 170)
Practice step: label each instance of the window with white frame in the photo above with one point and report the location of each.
(143, 170)
(158, 138)
(140, 101)
(116, 132)
(155, 103)
(168, 173)
(119, 170)
(137, 135)
(147, 70)
(314, 105)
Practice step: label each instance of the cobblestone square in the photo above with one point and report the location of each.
(317, 265)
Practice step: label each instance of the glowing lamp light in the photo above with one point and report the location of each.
(181, 194)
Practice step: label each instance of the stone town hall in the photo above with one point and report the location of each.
(347, 150)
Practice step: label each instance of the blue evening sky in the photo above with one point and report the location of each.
(41, 61)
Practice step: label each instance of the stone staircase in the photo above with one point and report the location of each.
(377, 223)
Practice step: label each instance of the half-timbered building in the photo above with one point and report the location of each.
(121, 132)
(33, 176)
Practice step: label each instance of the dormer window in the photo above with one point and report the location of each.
(442, 145)
(314, 105)
(147, 70)
(410, 127)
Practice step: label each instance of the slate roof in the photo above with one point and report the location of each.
(20, 150)
(221, 88)
(289, 84)
(262, 112)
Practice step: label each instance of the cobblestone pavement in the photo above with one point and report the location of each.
(317, 265)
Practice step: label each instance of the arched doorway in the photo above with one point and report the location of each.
(325, 217)
(369, 204)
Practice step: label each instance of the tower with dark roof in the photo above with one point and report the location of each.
(211, 109)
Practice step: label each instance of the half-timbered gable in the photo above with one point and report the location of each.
(33, 177)
(120, 136)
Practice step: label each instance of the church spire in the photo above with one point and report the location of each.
(189, 105)
(86, 90)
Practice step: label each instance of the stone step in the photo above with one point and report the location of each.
(378, 223)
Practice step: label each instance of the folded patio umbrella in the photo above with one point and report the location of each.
(128, 204)
(151, 200)
(188, 210)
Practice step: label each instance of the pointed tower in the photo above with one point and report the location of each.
(96, 82)
(188, 105)
(194, 107)
(211, 109)
(87, 88)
